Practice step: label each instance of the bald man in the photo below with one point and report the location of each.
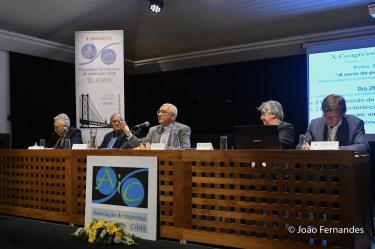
(162, 133)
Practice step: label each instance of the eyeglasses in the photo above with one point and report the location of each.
(334, 119)
(162, 112)
(116, 121)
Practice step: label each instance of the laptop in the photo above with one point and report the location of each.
(256, 137)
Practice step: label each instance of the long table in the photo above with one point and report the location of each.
(237, 198)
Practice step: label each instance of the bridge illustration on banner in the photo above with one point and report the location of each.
(89, 116)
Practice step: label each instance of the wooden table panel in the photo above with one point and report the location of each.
(237, 198)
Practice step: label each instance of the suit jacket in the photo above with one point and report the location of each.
(350, 134)
(121, 141)
(154, 135)
(73, 134)
(286, 135)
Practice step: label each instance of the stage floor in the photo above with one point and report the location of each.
(23, 233)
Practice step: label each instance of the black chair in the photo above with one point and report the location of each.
(4, 141)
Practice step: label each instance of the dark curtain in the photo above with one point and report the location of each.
(209, 99)
(214, 99)
(40, 89)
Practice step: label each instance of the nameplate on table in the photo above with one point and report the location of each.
(157, 146)
(36, 147)
(204, 146)
(324, 145)
(79, 147)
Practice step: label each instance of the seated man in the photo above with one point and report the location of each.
(162, 133)
(335, 125)
(115, 138)
(63, 131)
(272, 114)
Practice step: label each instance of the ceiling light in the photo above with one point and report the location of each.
(371, 9)
(156, 5)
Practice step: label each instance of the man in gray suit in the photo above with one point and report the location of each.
(169, 132)
(335, 125)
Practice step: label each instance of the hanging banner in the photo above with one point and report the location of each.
(123, 189)
(99, 67)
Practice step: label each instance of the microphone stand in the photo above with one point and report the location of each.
(136, 132)
(61, 139)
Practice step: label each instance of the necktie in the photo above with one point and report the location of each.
(112, 142)
(62, 142)
(164, 136)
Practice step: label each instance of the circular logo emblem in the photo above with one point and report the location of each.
(106, 181)
(88, 51)
(132, 192)
(108, 56)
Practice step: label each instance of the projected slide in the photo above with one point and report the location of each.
(350, 73)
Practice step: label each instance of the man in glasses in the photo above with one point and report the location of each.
(335, 125)
(115, 139)
(169, 132)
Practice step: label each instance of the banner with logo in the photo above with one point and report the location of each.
(99, 67)
(123, 189)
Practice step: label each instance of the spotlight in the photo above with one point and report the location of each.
(156, 5)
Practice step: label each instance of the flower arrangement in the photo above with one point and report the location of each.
(105, 232)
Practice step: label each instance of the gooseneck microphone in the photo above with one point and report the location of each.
(145, 124)
(63, 132)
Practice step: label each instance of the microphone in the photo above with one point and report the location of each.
(63, 132)
(59, 141)
(145, 124)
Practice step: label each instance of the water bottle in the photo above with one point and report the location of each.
(302, 139)
(93, 132)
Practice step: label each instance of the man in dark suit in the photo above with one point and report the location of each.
(272, 114)
(116, 138)
(335, 125)
(169, 132)
(63, 131)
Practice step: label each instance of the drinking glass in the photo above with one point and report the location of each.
(66, 143)
(42, 142)
(223, 142)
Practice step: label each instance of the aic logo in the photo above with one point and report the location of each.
(120, 186)
(107, 55)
